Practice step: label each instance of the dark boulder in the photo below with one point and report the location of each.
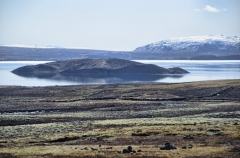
(84, 148)
(187, 137)
(167, 146)
(190, 146)
(129, 148)
(125, 151)
(94, 148)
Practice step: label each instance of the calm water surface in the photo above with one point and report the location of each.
(199, 71)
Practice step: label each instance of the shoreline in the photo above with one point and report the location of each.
(128, 83)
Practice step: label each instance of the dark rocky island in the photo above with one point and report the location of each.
(97, 67)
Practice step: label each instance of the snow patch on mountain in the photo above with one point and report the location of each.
(194, 44)
(19, 45)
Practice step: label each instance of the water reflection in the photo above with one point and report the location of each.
(107, 78)
(199, 71)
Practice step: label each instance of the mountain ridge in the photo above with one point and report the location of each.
(184, 48)
(195, 44)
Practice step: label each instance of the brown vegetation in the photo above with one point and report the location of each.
(102, 120)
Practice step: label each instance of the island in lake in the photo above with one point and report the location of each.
(83, 69)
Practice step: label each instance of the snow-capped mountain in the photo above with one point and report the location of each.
(19, 45)
(195, 44)
(216, 47)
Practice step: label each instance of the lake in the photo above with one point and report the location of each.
(199, 71)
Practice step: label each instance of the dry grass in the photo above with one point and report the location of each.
(64, 121)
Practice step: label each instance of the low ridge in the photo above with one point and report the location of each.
(93, 66)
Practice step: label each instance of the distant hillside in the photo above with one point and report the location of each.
(174, 48)
(213, 57)
(54, 54)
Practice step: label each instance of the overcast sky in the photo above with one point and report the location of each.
(114, 24)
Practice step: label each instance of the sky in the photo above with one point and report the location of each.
(114, 24)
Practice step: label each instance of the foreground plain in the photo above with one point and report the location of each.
(102, 120)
